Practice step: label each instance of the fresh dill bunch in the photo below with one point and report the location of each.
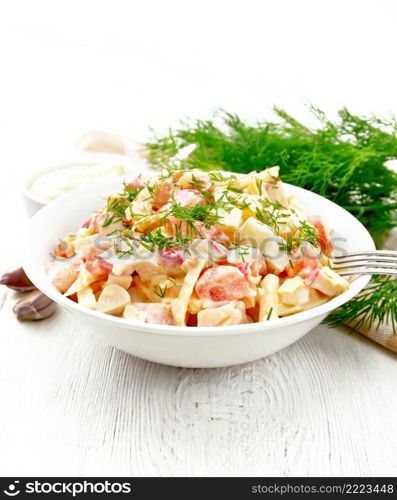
(342, 160)
(375, 305)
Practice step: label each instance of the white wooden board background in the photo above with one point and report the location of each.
(70, 404)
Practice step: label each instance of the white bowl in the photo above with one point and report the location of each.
(199, 347)
(33, 203)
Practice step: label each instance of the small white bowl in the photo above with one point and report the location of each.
(201, 347)
(33, 203)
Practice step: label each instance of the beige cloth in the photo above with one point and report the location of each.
(383, 334)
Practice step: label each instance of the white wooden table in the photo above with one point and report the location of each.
(72, 405)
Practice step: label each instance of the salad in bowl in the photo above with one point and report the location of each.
(199, 249)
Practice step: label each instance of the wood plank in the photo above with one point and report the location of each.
(73, 405)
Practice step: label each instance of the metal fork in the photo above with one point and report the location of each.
(371, 262)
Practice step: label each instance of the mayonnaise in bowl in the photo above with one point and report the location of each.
(58, 180)
(56, 183)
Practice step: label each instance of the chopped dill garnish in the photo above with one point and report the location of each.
(269, 315)
(153, 240)
(219, 177)
(305, 233)
(207, 214)
(200, 186)
(234, 189)
(272, 213)
(117, 205)
(375, 305)
(243, 252)
(163, 289)
(259, 186)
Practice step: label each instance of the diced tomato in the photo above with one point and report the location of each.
(304, 267)
(244, 268)
(191, 319)
(65, 249)
(163, 195)
(97, 266)
(105, 265)
(323, 236)
(212, 233)
(253, 265)
(178, 174)
(222, 283)
(73, 297)
(87, 223)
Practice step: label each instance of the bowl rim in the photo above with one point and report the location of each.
(82, 158)
(46, 286)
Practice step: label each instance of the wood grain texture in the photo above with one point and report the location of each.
(74, 406)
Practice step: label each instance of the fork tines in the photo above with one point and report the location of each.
(366, 262)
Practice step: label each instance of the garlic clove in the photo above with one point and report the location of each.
(17, 280)
(34, 306)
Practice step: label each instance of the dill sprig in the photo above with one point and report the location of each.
(305, 233)
(272, 213)
(375, 305)
(207, 214)
(156, 240)
(342, 160)
(117, 205)
(163, 289)
(152, 240)
(200, 186)
(219, 177)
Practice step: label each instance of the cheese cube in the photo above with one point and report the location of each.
(113, 300)
(329, 282)
(230, 220)
(225, 315)
(123, 281)
(86, 297)
(256, 232)
(294, 291)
